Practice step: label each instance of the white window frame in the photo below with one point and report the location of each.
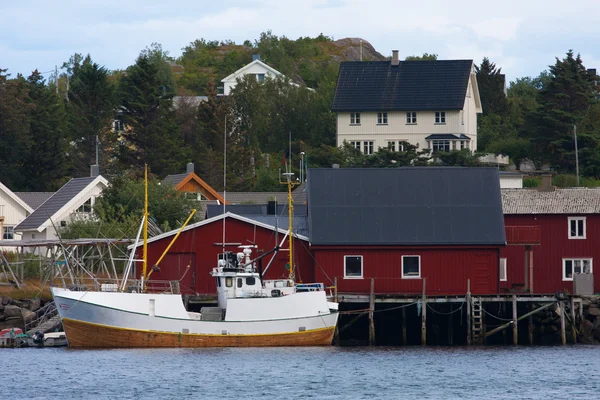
(260, 77)
(391, 145)
(503, 270)
(411, 276)
(368, 147)
(411, 118)
(564, 267)
(6, 230)
(440, 117)
(354, 118)
(346, 276)
(356, 144)
(82, 208)
(382, 118)
(577, 219)
(436, 144)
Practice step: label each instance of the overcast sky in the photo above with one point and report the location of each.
(523, 37)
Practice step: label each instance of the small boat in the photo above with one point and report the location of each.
(50, 339)
(251, 312)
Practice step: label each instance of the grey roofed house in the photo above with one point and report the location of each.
(260, 213)
(558, 201)
(409, 86)
(405, 206)
(34, 199)
(298, 196)
(71, 194)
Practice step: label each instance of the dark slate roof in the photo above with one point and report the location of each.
(447, 136)
(174, 179)
(258, 212)
(405, 206)
(409, 86)
(54, 203)
(34, 199)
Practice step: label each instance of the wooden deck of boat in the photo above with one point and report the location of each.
(87, 335)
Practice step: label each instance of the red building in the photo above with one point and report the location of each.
(568, 222)
(402, 225)
(200, 244)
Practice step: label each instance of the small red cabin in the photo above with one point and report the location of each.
(568, 222)
(196, 251)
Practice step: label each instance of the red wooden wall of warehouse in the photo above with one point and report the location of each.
(447, 269)
(200, 246)
(555, 245)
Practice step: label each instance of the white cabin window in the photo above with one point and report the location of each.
(391, 145)
(229, 281)
(250, 281)
(577, 228)
(440, 117)
(503, 269)
(356, 145)
(382, 118)
(9, 233)
(411, 117)
(240, 282)
(354, 118)
(411, 267)
(368, 147)
(353, 267)
(573, 266)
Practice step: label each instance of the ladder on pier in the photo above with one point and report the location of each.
(477, 320)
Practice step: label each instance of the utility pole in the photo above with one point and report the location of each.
(576, 154)
(56, 78)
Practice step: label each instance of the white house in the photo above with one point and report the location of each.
(429, 104)
(257, 68)
(74, 200)
(13, 210)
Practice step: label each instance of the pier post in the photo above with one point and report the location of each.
(450, 330)
(469, 317)
(573, 330)
(515, 322)
(563, 335)
(424, 315)
(371, 316)
(404, 326)
(336, 333)
(530, 326)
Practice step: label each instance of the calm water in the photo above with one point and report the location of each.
(310, 373)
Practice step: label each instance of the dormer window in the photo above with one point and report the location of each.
(354, 118)
(440, 117)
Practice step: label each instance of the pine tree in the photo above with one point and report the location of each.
(15, 137)
(490, 82)
(151, 134)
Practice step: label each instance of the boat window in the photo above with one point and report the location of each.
(218, 282)
(250, 281)
(239, 282)
(278, 283)
(229, 281)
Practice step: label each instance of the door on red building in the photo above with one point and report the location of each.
(482, 282)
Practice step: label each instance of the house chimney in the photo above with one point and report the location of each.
(189, 168)
(395, 60)
(255, 57)
(94, 170)
(546, 185)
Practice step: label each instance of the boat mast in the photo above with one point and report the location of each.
(145, 257)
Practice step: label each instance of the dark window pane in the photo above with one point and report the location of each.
(568, 269)
(353, 266)
(580, 228)
(250, 281)
(239, 282)
(410, 266)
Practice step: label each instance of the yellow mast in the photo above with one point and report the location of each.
(290, 223)
(145, 256)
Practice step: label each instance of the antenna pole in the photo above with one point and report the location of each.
(145, 261)
(576, 154)
(224, 180)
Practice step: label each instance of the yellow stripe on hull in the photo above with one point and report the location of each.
(88, 335)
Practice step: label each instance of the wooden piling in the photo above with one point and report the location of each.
(469, 317)
(515, 321)
(563, 334)
(336, 334)
(530, 326)
(450, 330)
(404, 326)
(573, 330)
(424, 315)
(371, 315)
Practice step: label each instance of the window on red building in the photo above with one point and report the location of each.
(411, 267)
(572, 266)
(353, 267)
(576, 227)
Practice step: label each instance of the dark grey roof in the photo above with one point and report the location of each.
(54, 203)
(173, 179)
(409, 86)
(34, 199)
(447, 136)
(405, 206)
(258, 212)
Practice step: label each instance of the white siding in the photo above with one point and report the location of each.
(12, 212)
(252, 69)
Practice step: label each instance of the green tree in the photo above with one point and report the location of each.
(15, 136)
(92, 110)
(491, 82)
(151, 135)
(424, 57)
(47, 165)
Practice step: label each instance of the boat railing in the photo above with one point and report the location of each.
(133, 286)
(309, 287)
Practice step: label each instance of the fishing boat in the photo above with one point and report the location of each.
(251, 311)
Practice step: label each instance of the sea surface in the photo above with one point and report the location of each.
(571, 372)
